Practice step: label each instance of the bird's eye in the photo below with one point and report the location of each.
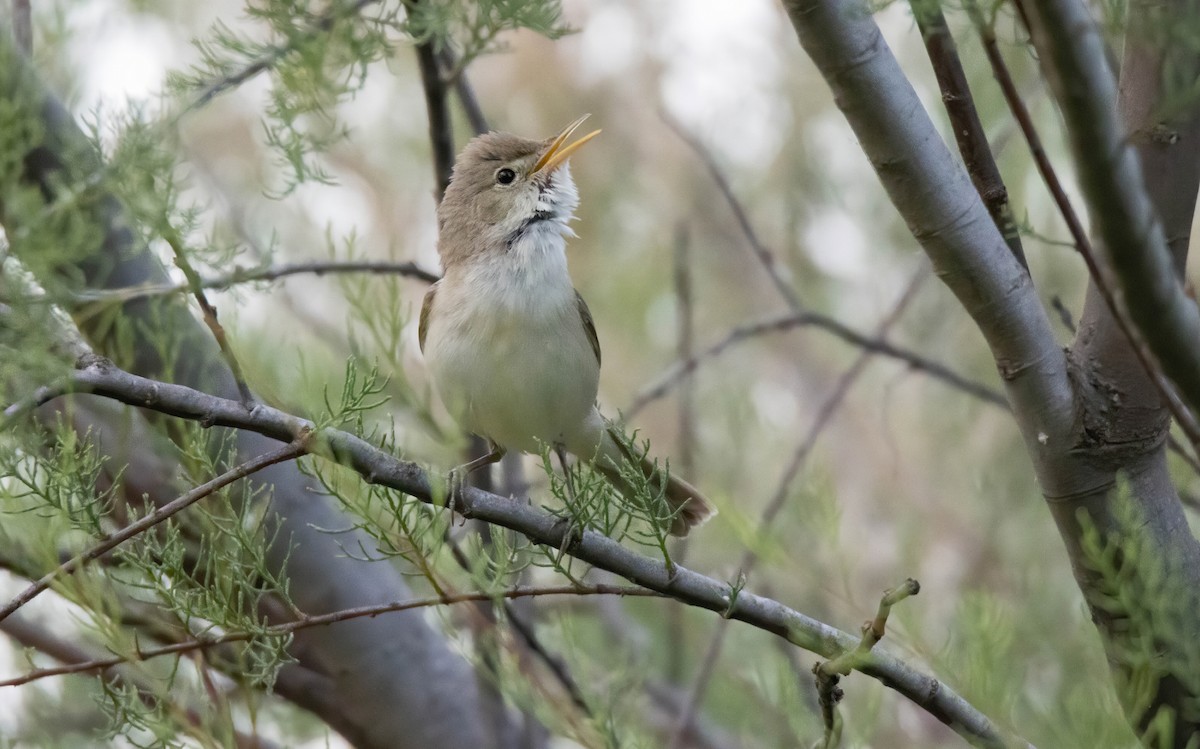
(505, 176)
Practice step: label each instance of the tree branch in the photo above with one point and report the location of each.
(36, 636)
(946, 216)
(543, 528)
(829, 673)
(765, 257)
(964, 121)
(787, 321)
(1074, 57)
(1142, 204)
(465, 92)
(800, 313)
(441, 130)
(76, 666)
(266, 273)
(1083, 245)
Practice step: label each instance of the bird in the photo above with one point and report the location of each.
(510, 345)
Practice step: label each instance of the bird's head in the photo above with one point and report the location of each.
(505, 186)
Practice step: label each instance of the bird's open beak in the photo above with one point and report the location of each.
(557, 153)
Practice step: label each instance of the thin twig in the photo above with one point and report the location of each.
(265, 273)
(288, 452)
(775, 505)
(829, 673)
(1183, 415)
(765, 257)
(964, 121)
(557, 666)
(781, 323)
(465, 92)
(36, 636)
(800, 314)
(321, 620)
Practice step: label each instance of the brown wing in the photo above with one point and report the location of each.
(426, 306)
(589, 326)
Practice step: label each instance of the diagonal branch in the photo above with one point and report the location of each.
(964, 121)
(209, 313)
(1102, 285)
(790, 320)
(775, 505)
(380, 468)
(1074, 56)
(765, 257)
(934, 196)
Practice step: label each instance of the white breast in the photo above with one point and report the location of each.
(507, 348)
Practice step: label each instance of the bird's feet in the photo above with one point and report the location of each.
(456, 478)
(572, 535)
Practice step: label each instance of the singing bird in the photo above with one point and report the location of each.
(509, 342)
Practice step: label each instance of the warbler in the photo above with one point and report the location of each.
(509, 343)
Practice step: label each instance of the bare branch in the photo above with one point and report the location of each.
(801, 315)
(465, 92)
(1075, 59)
(1185, 418)
(765, 257)
(788, 321)
(441, 130)
(943, 211)
(964, 121)
(266, 273)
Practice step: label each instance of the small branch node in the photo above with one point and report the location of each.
(828, 673)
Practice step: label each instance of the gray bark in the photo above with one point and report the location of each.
(1074, 56)
(1092, 422)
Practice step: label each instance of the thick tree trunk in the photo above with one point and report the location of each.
(1092, 422)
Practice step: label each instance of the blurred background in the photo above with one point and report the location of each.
(910, 477)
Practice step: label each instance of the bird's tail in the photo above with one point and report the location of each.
(687, 505)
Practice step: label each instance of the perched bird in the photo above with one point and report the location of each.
(509, 342)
